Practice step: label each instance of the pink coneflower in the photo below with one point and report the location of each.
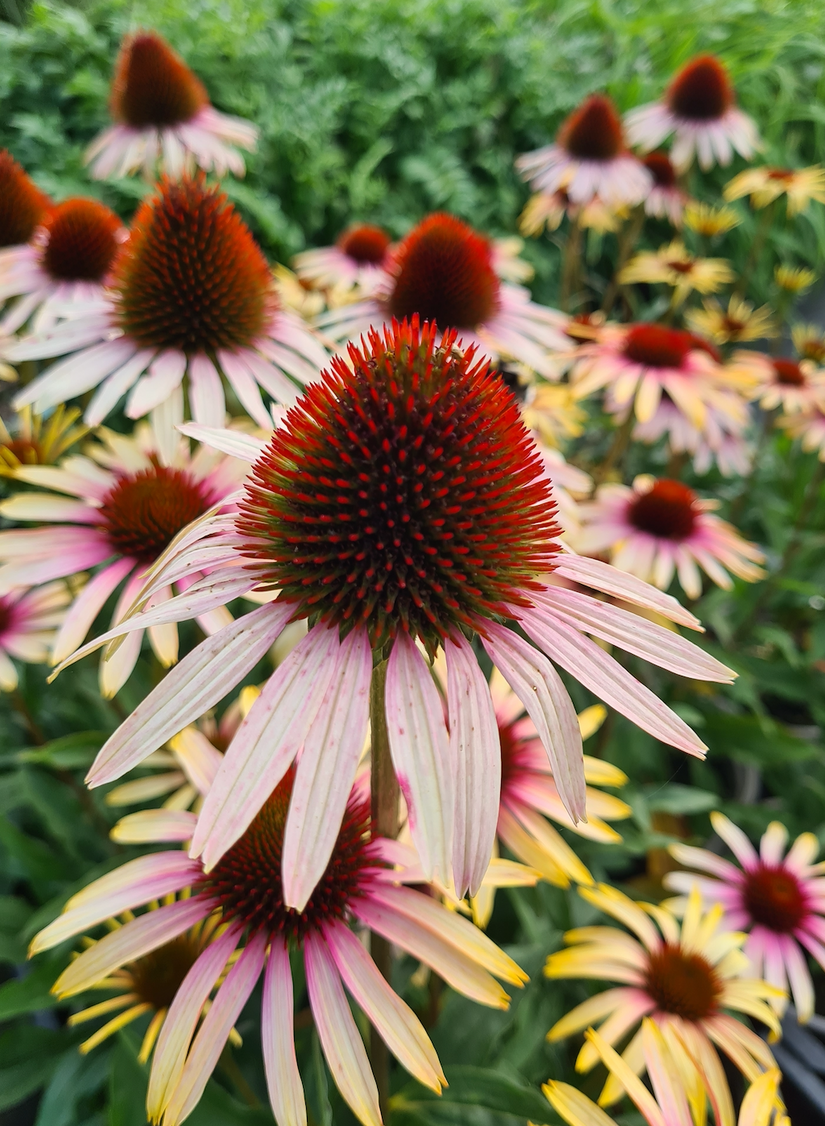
(445, 272)
(23, 206)
(807, 426)
(641, 362)
(245, 891)
(589, 158)
(401, 502)
(122, 504)
(66, 264)
(661, 527)
(359, 258)
(777, 381)
(666, 200)
(687, 978)
(718, 440)
(164, 118)
(191, 294)
(29, 620)
(700, 108)
(778, 898)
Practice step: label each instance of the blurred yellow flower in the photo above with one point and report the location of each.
(809, 341)
(35, 441)
(734, 325)
(547, 209)
(709, 221)
(764, 185)
(794, 279)
(552, 410)
(677, 267)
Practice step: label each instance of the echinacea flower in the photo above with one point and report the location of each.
(716, 436)
(793, 279)
(445, 272)
(23, 206)
(710, 221)
(778, 898)
(666, 200)
(243, 899)
(809, 341)
(675, 266)
(148, 985)
(659, 528)
(163, 118)
(65, 266)
(401, 503)
(777, 381)
(700, 108)
(588, 159)
(545, 210)
(29, 620)
(801, 186)
(686, 977)
(736, 324)
(808, 427)
(119, 504)
(668, 1105)
(191, 294)
(359, 259)
(36, 440)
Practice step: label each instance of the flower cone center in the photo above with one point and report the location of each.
(667, 511)
(404, 493)
(774, 898)
(22, 205)
(701, 91)
(81, 241)
(444, 273)
(365, 244)
(657, 346)
(789, 373)
(153, 85)
(683, 983)
(659, 166)
(191, 277)
(144, 511)
(593, 131)
(157, 976)
(247, 879)
(6, 616)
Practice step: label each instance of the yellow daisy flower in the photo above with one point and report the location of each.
(675, 266)
(37, 441)
(809, 341)
(709, 221)
(764, 185)
(794, 279)
(734, 325)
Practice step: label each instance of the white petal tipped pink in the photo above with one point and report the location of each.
(29, 621)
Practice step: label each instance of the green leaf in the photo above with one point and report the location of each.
(756, 740)
(675, 798)
(479, 1087)
(29, 994)
(28, 1057)
(127, 1086)
(69, 752)
(219, 1108)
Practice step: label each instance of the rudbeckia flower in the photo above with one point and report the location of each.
(28, 623)
(589, 159)
(710, 221)
(163, 118)
(700, 109)
(242, 902)
(809, 341)
(778, 898)
(801, 186)
(120, 504)
(686, 977)
(545, 210)
(446, 273)
(23, 207)
(65, 266)
(793, 279)
(808, 427)
(736, 324)
(659, 528)
(675, 266)
(36, 440)
(191, 295)
(404, 507)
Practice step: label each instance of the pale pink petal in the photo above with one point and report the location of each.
(420, 754)
(326, 770)
(705, 861)
(338, 1033)
(92, 549)
(202, 678)
(541, 690)
(283, 1080)
(395, 1021)
(772, 845)
(609, 580)
(87, 606)
(129, 942)
(77, 374)
(152, 825)
(165, 374)
(475, 754)
(799, 976)
(108, 394)
(735, 839)
(214, 1032)
(198, 758)
(182, 1020)
(206, 391)
(232, 442)
(803, 852)
(244, 386)
(266, 742)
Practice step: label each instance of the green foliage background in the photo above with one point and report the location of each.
(384, 111)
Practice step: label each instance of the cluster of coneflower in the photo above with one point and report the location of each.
(353, 471)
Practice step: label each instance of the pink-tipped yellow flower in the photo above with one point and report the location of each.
(659, 528)
(686, 977)
(778, 898)
(801, 186)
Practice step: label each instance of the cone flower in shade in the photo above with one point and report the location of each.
(163, 118)
(668, 1104)
(23, 207)
(659, 528)
(778, 381)
(807, 427)
(446, 273)
(666, 200)
(359, 259)
(243, 899)
(778, 898)
(119, 504)
(29, 620)
(38, 441)
(700, 109)
(589, 159)
(686, 978)
(800, 186)
(191, 295)
(404, 506)
(64, 267)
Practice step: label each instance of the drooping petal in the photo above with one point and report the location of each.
(609, 580)
(283, 1080)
